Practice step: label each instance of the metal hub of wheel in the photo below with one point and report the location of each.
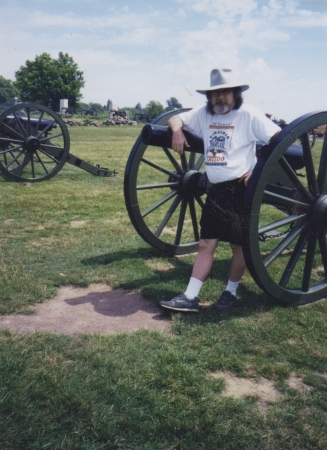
(34, 142)
(31, 144)
(192, 183)
(320, 212)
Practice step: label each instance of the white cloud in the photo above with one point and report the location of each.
(264, 83)
(307, 19)
(275, 92)
(91, 23)
(222, 8)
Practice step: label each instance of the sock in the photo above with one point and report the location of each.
(232, 286)
(193, 288)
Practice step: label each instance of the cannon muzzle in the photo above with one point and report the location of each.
(161, 136)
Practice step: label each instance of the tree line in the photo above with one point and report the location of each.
(47, 80)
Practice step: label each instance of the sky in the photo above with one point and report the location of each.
(138, 51)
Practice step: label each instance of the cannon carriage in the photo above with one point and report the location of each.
(286, 246)
(35, 144)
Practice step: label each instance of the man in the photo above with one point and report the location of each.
(230, 130)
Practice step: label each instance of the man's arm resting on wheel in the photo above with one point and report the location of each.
(179, 141)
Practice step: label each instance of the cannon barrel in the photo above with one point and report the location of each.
(160, 136)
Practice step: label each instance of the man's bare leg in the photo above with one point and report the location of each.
(237, 265)
(204, 259)
(201, 269)
(236, 270)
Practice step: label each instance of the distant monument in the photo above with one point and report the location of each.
(112, 105)
(63, 105)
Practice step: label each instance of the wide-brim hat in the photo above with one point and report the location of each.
(223, 79)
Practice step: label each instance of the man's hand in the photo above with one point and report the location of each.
(179, 141)
(245, 178)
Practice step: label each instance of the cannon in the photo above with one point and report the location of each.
(35, 144)
(286, 245)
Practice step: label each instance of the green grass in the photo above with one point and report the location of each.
(143, 390)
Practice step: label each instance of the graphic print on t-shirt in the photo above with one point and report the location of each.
(219, 143)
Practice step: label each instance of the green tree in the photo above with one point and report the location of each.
(96, 107)
(154, 108)
(8, 91)
(81, 105)
(173, 103)
(46, 80)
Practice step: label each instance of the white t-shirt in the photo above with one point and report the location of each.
(229, 139)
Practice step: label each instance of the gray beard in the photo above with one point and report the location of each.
(222, 109)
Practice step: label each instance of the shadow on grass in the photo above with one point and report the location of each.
(115, 303)
(109, 258)
(154, 286)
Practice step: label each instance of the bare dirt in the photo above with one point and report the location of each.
(241, 387)
(262, 389)
(95, 309)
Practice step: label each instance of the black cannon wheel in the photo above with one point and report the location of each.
(34, 142)
(286, 251)
(163, 194)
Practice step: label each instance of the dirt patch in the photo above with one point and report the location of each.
(95, 309)
(236, 387)
(262, 389)
(77, 223)
(295, 382)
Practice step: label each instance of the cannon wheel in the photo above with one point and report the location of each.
(34, 142)
(286, 251)
(163, 194)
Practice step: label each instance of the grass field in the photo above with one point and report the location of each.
(144, 390)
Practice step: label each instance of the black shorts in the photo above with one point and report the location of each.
(224, 215)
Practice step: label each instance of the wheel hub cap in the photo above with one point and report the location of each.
(320, 212)
(32, 144)
(194, 183)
